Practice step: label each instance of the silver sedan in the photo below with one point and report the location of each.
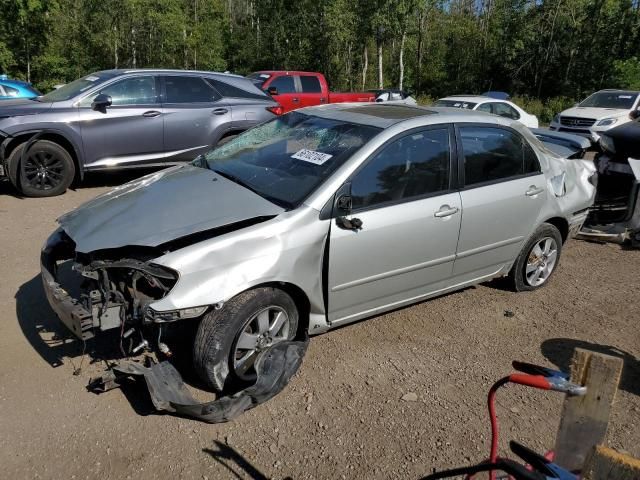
(316, 219)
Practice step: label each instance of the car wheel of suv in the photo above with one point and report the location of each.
(46, 170)
(229, 339)
(538, 259)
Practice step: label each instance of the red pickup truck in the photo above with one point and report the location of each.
(302, 89)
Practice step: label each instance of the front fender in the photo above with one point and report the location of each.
(287, 249)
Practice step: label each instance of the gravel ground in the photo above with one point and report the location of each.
(343, 415)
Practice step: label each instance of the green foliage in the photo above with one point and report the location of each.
(552, 50)
(627, 73)
(544, 110)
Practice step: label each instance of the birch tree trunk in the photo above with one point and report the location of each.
(365, 66)
(404, 37)
(380, 77)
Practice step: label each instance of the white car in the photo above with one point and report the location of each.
(480, 103)
(598, 113)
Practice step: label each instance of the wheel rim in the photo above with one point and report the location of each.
(541, 261)
(42, 170)
(269, 326)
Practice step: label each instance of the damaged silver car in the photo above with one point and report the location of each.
(316, 219)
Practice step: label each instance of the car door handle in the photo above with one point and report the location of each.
(151, 113)
(533, 191)
(219, 111)
(295, 100)
(445, 211)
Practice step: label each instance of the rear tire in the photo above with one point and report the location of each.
(46, 170)
(538, 259)
(223, 354)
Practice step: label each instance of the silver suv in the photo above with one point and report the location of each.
(123, 119)
(319, 218)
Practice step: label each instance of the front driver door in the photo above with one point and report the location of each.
(130, 132)
(410, 222)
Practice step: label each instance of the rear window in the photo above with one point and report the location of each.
(188, 90)
(310, 84)
(258, 78)
(227, 90)
(455, 104)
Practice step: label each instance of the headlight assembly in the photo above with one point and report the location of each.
(151, 316)
(605, 122)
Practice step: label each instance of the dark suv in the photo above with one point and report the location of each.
(123, 119)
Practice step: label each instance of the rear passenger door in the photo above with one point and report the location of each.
(503, 193)
(310, 91)
(193, 111)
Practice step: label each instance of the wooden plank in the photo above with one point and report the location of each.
(584, 420)
(603, 463)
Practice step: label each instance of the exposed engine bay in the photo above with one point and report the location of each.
(112, 291)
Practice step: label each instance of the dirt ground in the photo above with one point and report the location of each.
(342, 416)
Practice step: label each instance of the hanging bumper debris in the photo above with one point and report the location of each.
(275, 367)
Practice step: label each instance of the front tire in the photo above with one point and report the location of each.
(46, 170)
(537, 260)
(229, 339)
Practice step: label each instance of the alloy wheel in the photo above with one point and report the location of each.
(541, 261)
(43, 170)
(266, 328)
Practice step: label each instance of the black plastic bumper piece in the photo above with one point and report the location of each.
(274, 367)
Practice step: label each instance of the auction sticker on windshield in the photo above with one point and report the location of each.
(311, 156)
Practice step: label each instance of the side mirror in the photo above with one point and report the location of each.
(634, 114)
(272, 91)
(101, 102)
(342, 207)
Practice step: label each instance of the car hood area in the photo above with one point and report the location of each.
(162, 207)
(597, 113)
(22, 106)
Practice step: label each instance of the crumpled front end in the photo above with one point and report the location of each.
(105, 291)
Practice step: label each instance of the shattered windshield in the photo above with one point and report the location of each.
(620, 100)
(287, 158)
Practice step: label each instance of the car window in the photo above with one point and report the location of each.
(2, 94)
(10, 91)
(492, 154)
(310, 84)
(485, 107)
(130, 91)
(188, 90)
(454, 104)
(227, 90)
(409, 167)
(283, 84)
(505, 110)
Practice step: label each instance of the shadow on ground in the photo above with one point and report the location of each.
(233, 461)
(559, 351)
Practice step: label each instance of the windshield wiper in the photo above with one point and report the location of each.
(242, 183)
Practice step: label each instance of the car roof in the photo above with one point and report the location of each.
(384, 115)
(286, 72)
(472, 98)
(124, 71)
(15, 83)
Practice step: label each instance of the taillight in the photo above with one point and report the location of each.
(276, 110)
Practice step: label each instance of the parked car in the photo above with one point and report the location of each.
(480, 103)
(13, 89)
(316, 219)
(599, 112)
(395, 96)
(303, 89)
(616, 212)
(123, 119)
